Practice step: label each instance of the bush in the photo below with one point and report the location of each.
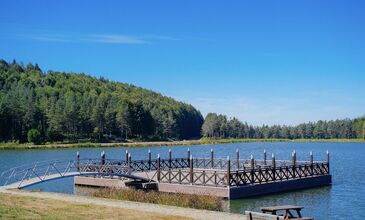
(34, 136)
(174, 199)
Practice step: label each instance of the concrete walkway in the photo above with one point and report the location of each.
(147, 207)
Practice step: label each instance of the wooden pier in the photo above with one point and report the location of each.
(223, 177)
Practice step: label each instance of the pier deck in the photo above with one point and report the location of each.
(226, 178)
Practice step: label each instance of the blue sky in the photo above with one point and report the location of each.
(273, 62)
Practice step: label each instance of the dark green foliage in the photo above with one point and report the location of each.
(75, 107)
(217, 126)
(34, 136)
(359, 127)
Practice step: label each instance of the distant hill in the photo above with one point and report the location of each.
(57, 106)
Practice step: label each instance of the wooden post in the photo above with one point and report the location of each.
(252, 169)
(252, 162)
(265, 157)
(149, 159)
(228, 171)
(212, 157)
(294, 158)
(328, 160)
(250, 215)
(238, 159)
(158, 168)
(78, 161)
(311, 162)
(294, 161)
(170, 158)
(188, 159)
(126, 155)
(191, 169)
(102, 158)
(273, 166)
(129, 163)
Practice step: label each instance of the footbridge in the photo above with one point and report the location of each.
(39, 172)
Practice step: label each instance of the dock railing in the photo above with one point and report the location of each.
(222, 172)
(211, 171)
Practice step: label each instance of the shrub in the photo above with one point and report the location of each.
(34, 136)
(174, 199)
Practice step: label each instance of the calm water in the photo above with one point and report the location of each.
(345, 199)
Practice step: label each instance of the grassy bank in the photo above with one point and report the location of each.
(173, 199)
(4, 146)
(23, 207)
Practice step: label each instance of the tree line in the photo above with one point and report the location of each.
(67, 107)
(219, 126)
(58, 106)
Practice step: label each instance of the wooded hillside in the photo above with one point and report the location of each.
(57, 106)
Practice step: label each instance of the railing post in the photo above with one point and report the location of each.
(126, 155)
(265, 157)
(311, 161)
(212, 157)
(102, 158)
(238, 159)
(170, 158)
(78, 161)
(158, 168)
(191, 169)
(294, 162)
(328, 160)
(149, 159)
(294, 158)
(252, 169)
(188, 159)
(273, 165)
(228, 171)
(129, 163)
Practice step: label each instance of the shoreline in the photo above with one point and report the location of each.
(14, 146)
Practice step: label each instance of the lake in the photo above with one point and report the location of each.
(343, 200)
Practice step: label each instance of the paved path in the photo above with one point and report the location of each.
(161, 209)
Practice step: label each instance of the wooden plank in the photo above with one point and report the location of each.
(282, 207)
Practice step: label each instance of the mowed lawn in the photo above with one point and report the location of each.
(23, 207)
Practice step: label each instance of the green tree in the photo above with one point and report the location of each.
(34, 136)
(359, 127)
(210, 127)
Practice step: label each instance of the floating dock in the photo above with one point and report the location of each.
(222, 177)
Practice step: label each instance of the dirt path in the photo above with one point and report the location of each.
(144, 207)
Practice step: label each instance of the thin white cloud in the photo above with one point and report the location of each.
(50, 38)
(115, 39)
(98, 38)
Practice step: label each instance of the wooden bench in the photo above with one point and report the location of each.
(287, 211)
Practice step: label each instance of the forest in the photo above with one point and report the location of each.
(218, 126)
(44, 107)
(67, 107)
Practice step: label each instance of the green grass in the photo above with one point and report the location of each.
(25, 207)
(174, 199)
(14, 145)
